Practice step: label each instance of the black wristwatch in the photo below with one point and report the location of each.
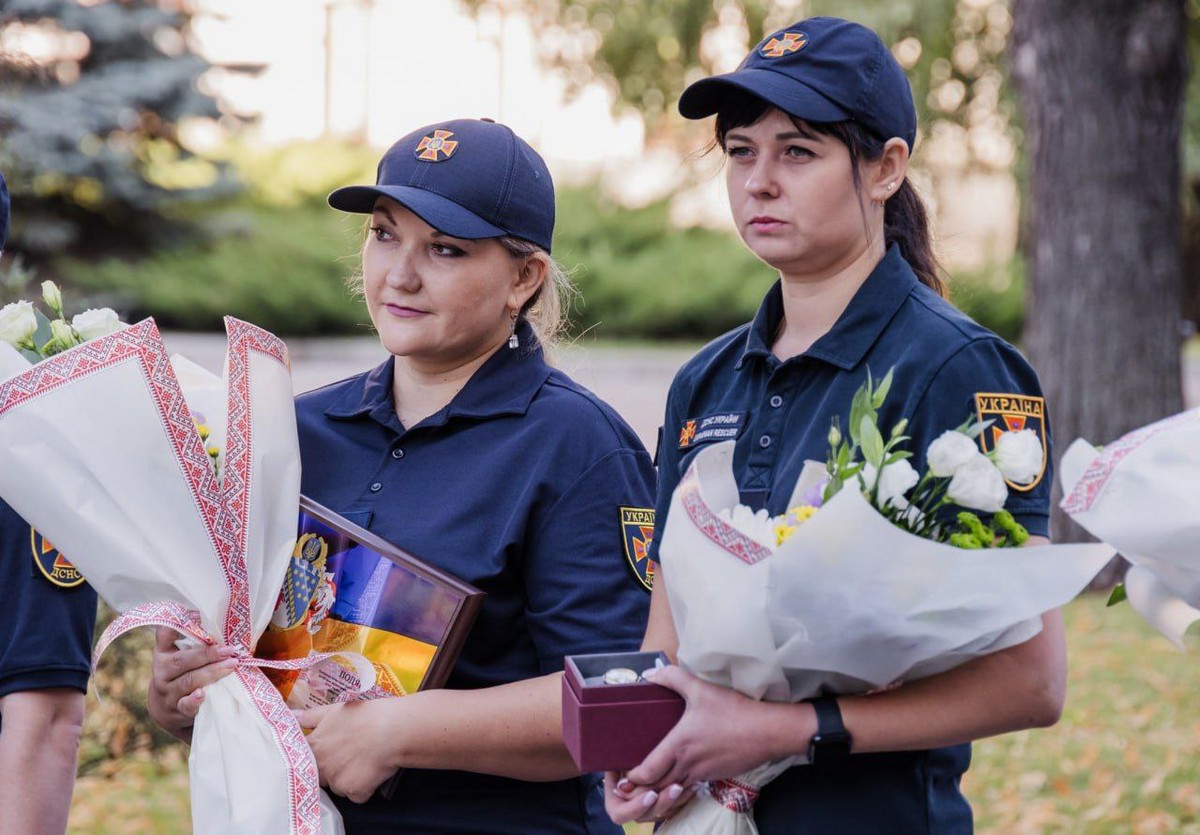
(831, 743)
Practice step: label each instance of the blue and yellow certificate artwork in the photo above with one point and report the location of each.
(341, 596)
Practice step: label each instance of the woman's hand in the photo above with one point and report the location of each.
(352, 746)
(721, 734)
(179, 678)
(626, 802)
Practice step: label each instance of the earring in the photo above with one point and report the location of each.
(514, 341)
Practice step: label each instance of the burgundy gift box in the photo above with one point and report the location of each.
(612, 727)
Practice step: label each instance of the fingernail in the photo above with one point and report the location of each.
(674, 792)
(625, 785)
(227, 652)
(198, 694)
(649, 798)
(650, 673)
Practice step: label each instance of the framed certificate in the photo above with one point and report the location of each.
(347, 590)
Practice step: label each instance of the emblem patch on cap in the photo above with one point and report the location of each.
(53, 565)
(786, 45)
(432, 147)
(1012, 413)
(637, 531)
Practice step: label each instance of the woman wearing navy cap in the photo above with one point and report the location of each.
(817, 125)
(466, 448)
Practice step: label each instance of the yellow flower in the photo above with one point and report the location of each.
(783, 532)
(801, 513)
(214, 451)
(202, 428)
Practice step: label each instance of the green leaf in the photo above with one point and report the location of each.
(881, 391)
(872, 442)
(1118, 595)
(975, 430)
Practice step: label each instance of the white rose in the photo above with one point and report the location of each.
(96, 323)
(896, 479)
(759, 526)
(979, 486)
(1019, 456)
(951, 451)
(17, 323)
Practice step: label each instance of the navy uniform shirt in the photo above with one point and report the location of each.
(47, 613)
(947, 369)
(517, 486)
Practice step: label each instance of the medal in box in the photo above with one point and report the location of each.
(612, 717)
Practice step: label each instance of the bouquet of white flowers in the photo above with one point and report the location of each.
(175, 493)
(1141, 494)
(862, 584)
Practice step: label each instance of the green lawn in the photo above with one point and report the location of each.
(1124, 759)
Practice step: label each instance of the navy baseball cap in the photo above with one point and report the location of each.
(823, 69)
(3, 211)
(469, 178)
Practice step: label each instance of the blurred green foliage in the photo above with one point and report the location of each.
(279, 257)
(90, 134)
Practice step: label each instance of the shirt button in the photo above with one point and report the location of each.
(764, 441)
(376, 487)
(397, 454)
(776, 401)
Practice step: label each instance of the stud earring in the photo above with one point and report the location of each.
(514, 341)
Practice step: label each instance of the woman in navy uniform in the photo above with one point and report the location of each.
(47, 616)
(817, 125)
(466, 448)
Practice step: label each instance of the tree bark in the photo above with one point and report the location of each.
(1102, 85)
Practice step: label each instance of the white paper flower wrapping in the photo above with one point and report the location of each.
(1141, 495)
(847, 604)
(101, 455)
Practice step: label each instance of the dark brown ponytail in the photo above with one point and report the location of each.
(905, 220)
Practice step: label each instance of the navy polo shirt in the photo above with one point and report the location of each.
(47, 614)
(946, 368)
(517, 487)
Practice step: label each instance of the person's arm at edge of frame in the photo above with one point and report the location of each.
(39, 747)
(1014, 689)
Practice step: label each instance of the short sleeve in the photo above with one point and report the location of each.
(581, 571)
(46, 622)
(667, 460)
(988, 379)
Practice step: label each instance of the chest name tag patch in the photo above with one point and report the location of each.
(725, 426)
(637, 532)
(53, 565)
(1012, 413)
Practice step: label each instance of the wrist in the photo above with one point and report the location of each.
(798, 723)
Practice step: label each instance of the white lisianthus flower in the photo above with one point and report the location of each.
(896, 479)
(979, 486)
(52, 297)
(951, 451)
(62, 337)
(17, 323)
(95, 323)
(1019, 455)
(757, 526)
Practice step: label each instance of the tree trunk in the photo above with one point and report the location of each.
(1101, 84)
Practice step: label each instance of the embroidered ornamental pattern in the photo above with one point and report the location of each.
(735, 796)
(236, 473)
(717, 529)
(1084, 495)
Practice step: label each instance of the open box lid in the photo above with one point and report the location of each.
(585, 676)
